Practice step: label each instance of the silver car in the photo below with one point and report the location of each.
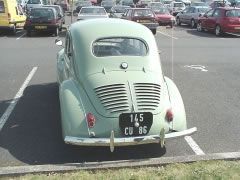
(190, 15)
(92, 12)
(33, 4)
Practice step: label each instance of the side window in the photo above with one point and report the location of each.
(217, 13)
(2, 7)
(209, 13)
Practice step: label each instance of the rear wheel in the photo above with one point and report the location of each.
(56, 32)
(218, 31)
(28, 33)
(154, 31)
(178, 21)
(193, 24)
(14, 29)
(199, 27)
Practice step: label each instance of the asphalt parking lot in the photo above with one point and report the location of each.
(205, 68)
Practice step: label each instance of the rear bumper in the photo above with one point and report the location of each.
(150, 25)
(34, 27)
(127, 141)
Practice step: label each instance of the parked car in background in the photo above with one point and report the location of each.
(167, 3)
(155, 5)
(33, 4)
(186, 2)
(60, 14)
(63, 3)
(118, 10)
(127, 3)
(190, 15)
(11, 16)
(22, 3)
(116, 93)
(107, 5)
(43, 19)
(199, 3)
(144, 16)
(164, 17)
(92, 12)
(81, 4)
(221, 20)
(176, 7)
(221, 3)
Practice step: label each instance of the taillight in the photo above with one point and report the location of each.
(9, 16)
(169, 115)
(91, 120)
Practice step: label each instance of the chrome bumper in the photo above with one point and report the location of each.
(127, 141)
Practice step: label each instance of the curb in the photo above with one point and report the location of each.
(22, 170)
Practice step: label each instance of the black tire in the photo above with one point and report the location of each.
(154, 31)
(56, 32)
(193, 24)
(14, 30)
(178, 21)
(199, 27)
(28, 33)
(218, 30)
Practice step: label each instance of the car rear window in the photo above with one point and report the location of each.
(92, 11)
(34, 2)
(2, 7)
(233, 13)
(119, 46)
(42, 13)
(178, 5)
(143, 12)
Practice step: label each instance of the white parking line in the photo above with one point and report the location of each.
(194, 146)
(15, 100)
(167, 35)
(21, 36)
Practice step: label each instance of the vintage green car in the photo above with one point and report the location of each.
(112, 89)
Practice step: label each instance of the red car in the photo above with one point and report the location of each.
(164, 17)
(221, 20)
(144, 16)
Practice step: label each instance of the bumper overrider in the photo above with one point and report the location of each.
(127, 141)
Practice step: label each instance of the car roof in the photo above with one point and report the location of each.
(140, 8)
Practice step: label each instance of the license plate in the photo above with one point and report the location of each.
(237, 27)
(135, 124)
(144, 21)
(40, 27)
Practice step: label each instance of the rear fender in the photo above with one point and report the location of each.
(179, 120)
(74, 106)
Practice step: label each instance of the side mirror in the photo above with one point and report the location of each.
(58, 42)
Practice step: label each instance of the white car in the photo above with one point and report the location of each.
(176, 7)
(92, 12)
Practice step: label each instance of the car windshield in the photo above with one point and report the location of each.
(34, 2)
(119, 47)
(143, 12)
(233, 13)
(161, 11)
(100, 11)
(42, 13)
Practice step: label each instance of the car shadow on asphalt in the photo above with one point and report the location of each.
(32, 134)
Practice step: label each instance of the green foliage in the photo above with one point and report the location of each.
(209, 170)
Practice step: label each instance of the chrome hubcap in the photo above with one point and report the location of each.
(199, 27)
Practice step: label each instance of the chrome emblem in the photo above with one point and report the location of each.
(124, 65)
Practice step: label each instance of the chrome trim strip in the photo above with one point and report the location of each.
(126, 141)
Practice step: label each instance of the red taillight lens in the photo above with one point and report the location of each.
(169, 115)
(91, 120)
